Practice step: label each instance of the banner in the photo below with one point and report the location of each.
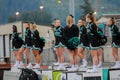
(45, 78)
(105, 74)
(114, 74)
(58, 75)
(111, 74)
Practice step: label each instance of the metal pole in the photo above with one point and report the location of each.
(96, 7)
(72, 7)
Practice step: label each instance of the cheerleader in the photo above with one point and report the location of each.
(59, 43)
(115, 41)
(16, 44)
(26, 47)
(53, 44)
(93, 40)
(83, 42)
(71, 33)
(36, 47)
(100, 50)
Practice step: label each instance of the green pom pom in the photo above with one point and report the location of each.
(20, 37)
(43, 39)
(73, 43)
(100, 33)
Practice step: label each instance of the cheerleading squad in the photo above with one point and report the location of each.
(73, 38)
(91, 38)
(32, 41)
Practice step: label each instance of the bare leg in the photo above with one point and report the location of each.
(20, 52)
(37, 56)
(28, 54)
(81, 53)
(116, 57)
(16, 58)
(58, 56)
(100, 54)
(61, 53)
(94, 57)
(115, 53)
(15, 55)
(71, 57)
(76, 56)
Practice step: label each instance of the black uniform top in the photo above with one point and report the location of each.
(70, 32)
(100, 32)
(83, 35)
(92, 34)
(102, 38)
(28, 37)
(58, 33)
(35, 38)
(16, 40)
(114, 32)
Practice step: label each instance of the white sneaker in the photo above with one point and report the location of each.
(99, 65)
(36, 66)
(61, 68)
(71, 69)
(20, 66)
(116, 66)
(92, 70)
(15, 65)
(29, 65)
(57, 63)
(75, 69)
(21, 63)
(84, 64)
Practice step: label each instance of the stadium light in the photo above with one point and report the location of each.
(59, 1)
(95, 13)
(41, 7)
(17, 13)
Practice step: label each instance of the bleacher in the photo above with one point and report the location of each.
(49, 73)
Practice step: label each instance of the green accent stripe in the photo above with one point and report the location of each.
(59, 45)
(25, 46)
(15, 49)
(93, 48)
(35, 48)
(116, 46)
(81, 45)
(101, 47)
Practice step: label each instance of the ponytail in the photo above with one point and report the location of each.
(113, 20)
(91, 16)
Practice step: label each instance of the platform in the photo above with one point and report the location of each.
(48, 73)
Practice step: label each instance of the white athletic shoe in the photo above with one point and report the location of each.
(20, 66)
(116, 66)
(15, 65)
(61, 68)
(71, 69)
(36, 66)
(29, 65)
(21, 63)
(84, 64)
(75, 69)
(92, 70)
(99, 65)
(57, 63)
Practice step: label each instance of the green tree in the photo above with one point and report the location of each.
(86, 7)
(12, 18)
(39, 17)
